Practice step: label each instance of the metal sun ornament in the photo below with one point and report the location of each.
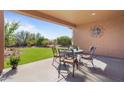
(97, 31)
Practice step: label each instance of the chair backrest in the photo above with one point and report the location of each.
(73, 55)
(66, 53)
(62, 52)
(54, 50)
(92, 50)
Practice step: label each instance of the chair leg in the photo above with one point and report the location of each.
(53, 60)
(59, 70)
(92, 63)
(73, 69)
(76, 62)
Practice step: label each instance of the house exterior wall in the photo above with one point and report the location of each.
(1, 41)
(111, 43)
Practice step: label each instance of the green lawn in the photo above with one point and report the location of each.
(28, 55)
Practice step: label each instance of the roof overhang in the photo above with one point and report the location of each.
(72, 18)
(45, 17)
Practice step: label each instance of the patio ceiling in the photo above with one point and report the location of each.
(72, 18)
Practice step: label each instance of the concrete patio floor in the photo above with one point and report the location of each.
(106, 70)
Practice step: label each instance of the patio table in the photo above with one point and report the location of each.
(75, 51)
(79, 51)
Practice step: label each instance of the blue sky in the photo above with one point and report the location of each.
(47, 29)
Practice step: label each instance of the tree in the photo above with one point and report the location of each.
(39, 39)
(31, 40)
(9, 29)
(25, 38)
(45, 42)
(22, 38)
(64, 41)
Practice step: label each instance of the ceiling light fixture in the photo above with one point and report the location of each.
(93, 14)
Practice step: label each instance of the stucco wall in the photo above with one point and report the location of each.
(1, 41)
(112, 41)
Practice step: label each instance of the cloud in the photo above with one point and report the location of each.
(10, 21)
(28, 27)
(24, 27)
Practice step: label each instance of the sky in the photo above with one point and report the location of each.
(47, 29)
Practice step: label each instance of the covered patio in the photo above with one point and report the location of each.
(109, 55)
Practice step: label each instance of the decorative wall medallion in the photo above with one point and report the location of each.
(97, 31)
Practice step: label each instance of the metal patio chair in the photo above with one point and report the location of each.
(88, 55)
(67, 59)
(55, 54)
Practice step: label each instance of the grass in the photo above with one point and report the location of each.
(28, 55)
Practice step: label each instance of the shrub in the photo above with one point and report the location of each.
(14, 60)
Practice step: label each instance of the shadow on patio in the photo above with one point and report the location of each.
(66, 74)
(8, 74)
(106, 69)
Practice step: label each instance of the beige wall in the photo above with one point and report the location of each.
(1, 41)
(112, 41)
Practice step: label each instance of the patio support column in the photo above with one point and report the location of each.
(73, 36)
(1, 41)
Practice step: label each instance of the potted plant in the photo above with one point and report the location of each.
(14, 60)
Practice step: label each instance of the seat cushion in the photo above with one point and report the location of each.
(71, 61)
(87, 57)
